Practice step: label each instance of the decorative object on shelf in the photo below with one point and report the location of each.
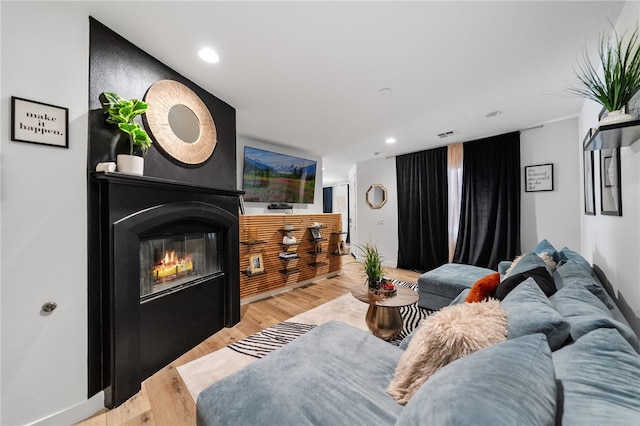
(539, 178)
(342, 249)
(255, 264)
(108, 166)
(122, 112)
(241, 204)
(620, 62)
(288, 227)
(289, 238)
(610, 182)
(317, 225)
(376, 196)
(36, 122)
(315, 233)
(589, 184)
(372, 265)
(180, 122)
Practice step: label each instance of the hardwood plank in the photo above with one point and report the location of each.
(164, 398)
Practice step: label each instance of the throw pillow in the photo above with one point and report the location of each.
(539, 274)
(483, 288)
(449, 334)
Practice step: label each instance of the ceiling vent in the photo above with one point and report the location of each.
(447, 134)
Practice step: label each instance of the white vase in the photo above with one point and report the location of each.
(615, 117)
(130, 164)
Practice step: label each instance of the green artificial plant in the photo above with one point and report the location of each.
(620, 63)
(122, 112)
(372, 264)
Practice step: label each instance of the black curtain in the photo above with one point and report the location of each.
(327, 199)
(422, 209)
(490, 210)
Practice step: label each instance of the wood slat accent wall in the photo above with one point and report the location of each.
(269, 230)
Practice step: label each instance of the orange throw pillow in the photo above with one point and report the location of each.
(483, 288)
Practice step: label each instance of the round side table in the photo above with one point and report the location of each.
(383, 316)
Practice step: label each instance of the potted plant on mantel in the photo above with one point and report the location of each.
(621, 76)
(122, 112)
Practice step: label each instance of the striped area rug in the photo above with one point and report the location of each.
(260, 344)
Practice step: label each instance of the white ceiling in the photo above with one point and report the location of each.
(308, 74)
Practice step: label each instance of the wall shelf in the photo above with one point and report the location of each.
(614, 136)
(249, 274)
(252, 243)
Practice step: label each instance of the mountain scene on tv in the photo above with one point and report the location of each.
(277, 178)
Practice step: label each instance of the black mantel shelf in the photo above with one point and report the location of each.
(123, 178)
(614, 136)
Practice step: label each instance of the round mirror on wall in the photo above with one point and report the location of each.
(184, 123)
(376, 196)
(180, 122)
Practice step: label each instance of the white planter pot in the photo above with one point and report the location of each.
(615, 117)
(130, 164)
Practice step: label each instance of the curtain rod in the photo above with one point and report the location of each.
(521, 130)
(531, 128)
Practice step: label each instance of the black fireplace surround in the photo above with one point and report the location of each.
(131, 337)
(142, 336)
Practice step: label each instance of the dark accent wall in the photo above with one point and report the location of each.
(117, 65)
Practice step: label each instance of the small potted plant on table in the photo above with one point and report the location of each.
(372, 266)
(122, 112)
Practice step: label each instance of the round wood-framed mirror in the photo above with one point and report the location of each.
(376, 196)
(180, 122)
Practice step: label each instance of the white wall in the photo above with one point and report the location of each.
(44, 216)
(378, 226)
(613, 242)
(261, 208)
(552, 214)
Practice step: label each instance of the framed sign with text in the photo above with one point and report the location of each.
(36, 122)
(538, 178)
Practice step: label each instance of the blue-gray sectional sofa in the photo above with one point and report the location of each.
(570, 359)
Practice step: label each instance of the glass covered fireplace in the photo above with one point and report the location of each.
(170, 263)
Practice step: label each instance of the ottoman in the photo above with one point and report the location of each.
(438, 287)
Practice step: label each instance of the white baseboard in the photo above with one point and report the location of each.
(74, 414)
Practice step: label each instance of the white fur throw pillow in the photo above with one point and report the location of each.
(449, 334)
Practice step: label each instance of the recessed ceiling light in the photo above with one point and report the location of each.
(493, 114)
(384, 91)
(208, 55)
(390, 140)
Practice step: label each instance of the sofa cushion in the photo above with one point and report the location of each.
(334, 374)
(529, 311)
(585, 312)
(600, 375)
(540, 275)
(545, 246)
(511, 383)
(566, 254)
(572, 271)
(451, 333)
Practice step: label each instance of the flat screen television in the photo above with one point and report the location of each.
(271, 177)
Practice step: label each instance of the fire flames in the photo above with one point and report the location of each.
(171, 266)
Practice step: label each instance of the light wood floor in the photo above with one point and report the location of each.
(165, 400)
